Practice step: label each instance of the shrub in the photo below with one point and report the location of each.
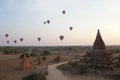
(32, 54)
(46, 52)
(82, 68)
(44, 58)
(22, 55)
(73, 64)
(70, 63)
(34, 76)
(7, 50)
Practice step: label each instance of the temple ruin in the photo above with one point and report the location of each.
(39, 60)
(99, 56)
(58, 58)
(26, 64)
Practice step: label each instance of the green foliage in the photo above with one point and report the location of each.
(115, 50)
(46, 52)
(25, 49)
(115, 77)
(70, 63)
(35, 76)
(32, 54)
(69, 48)
(27, 55)
(7, 50)
(118, 58)
(44, 58)
(22, 55)
(73, 64)
(82, 68)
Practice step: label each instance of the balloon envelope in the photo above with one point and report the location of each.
(44, 22)
(48, 21)
(39, 38)
(8, 42)
(21, 39)
(6, 35)
(61, 37)
(70, 28)
(63, 11)
(15, 41)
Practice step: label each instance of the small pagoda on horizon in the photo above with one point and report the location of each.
(99, 56)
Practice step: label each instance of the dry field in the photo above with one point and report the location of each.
(10, 68)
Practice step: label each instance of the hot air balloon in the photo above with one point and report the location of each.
(21, 39)
(39, 38)
(15, 41)
(63, 11)
(61, 37)
(44, 22)
(6, 35)
(8, 42)
(48, 21)
(71, 28)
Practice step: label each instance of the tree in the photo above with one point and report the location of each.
(73, 64)
(46, 52)
(34, 76)
(6, 50)
(44, 58)
(22, 55)
(82, 68)
(32, 54)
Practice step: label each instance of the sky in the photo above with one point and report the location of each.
(25, 18)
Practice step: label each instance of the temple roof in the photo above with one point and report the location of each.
(99, 43)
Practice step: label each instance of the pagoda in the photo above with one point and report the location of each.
(58, 58)
(40, 61)
(26, 64)
(99, 56)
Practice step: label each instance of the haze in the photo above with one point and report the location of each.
(25, 18)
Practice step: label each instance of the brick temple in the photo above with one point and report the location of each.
(99, 56)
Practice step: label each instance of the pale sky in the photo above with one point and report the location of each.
(25, 18)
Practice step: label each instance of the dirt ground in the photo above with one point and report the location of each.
(91, 74)
(10, 68)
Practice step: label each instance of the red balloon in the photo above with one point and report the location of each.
(63, 11)
(61, 37)
(70, 28)
(39, 38)
(6, 35)
(21, 39)
(15, 41)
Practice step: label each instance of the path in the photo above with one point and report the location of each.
(55, 74)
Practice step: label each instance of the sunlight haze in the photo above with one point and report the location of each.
(25, 18)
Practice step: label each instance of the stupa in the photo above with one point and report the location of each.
(99, 56)
(26, 64)
(39, 60)
(58, 59)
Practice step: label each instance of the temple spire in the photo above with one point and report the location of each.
(99, 56)
(99, 43)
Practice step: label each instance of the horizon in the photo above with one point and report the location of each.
(25, 19)
(63, 46)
